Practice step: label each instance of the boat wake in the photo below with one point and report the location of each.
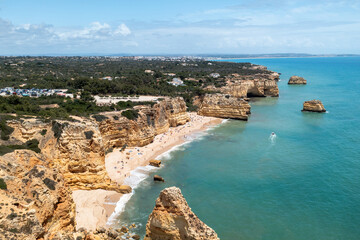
(272, 138)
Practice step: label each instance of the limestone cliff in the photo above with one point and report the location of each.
(224, 106)
(77, 149)
(258, 85)
(117, 130)
(35, 201)
(172, 219)
(313, 106)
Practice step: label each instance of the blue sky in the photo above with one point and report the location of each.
(178, 27)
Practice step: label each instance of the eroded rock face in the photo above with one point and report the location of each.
(77, 149)
(172, 219)
(117, 130)
(36, 202)
(258, 85)
(313, 106)
(296, 80)
(224, 106)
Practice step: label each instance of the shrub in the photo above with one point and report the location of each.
(11, 216)
(5, 149)
(115, 117)
(33, 145)
(130, 114)
(89, 134)
(3, 185)
(43, 132)
(99, 118)
(49, 183)
(30, 145)
(110, 150)
(5, 129)
(57, 129)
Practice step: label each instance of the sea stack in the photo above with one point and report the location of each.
(158, 178)
(313, 106)
(155, 163)
(296, 80)
(172, 218)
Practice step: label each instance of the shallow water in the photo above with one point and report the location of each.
(303, 184)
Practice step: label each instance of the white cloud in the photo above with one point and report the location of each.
(96, 30)
(38, 37)
(122, 29)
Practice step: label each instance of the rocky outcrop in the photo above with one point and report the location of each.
(155, 163)
(77, 149)
(258, 85)
(35, 202)
(158, 178)
(224, 106)
(117, 130)
(296, 80)
(313, 106)
(173, 219)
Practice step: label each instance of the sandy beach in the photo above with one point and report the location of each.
(93, 208)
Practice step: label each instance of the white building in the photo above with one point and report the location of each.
(177, 82)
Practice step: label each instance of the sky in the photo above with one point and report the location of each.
(82, 27)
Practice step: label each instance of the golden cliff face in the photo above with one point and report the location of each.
(224, 106)
(172, 218)
(77, 149)
(36, 203)
(259, 85)
(117, 130)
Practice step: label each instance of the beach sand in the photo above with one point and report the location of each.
(93, 208)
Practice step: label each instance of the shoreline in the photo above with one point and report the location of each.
(97, 208)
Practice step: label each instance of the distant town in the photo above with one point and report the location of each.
(10, 91)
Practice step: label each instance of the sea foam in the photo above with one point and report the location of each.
(141, 173)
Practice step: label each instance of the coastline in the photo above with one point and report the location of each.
(251, 58)
(97, 208)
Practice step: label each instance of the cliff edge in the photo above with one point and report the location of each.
(224, 106)
(173, 219)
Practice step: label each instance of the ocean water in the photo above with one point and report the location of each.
(303, 184)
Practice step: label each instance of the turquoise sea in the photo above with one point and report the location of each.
(303, 185)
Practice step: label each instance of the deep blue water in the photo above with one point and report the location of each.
(305, 185)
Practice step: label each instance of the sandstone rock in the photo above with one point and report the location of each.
(224, 106)
(77, 149)
(313, 106)
(173, 219)
(37, 200)
(124, 229)
(155, 163)
(100, 230)
(158, 178)
(151, 121)
(296, 80)
(136, 237)
(125, 189)
(255, 85)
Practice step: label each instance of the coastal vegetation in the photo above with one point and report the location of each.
(5, 130)
(128, 76)
(130, 114)
(32, 145)
(112, 76)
